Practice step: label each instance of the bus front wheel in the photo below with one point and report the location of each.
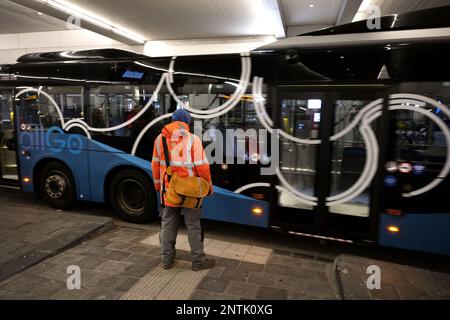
(133, 196)
(57, 186)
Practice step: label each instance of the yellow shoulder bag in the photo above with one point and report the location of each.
(186, 192)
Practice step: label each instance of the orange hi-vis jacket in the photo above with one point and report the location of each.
(187, 156)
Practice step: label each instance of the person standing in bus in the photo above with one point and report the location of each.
(186, 158)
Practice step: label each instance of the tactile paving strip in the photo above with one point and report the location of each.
(218, 248)
(177, 283)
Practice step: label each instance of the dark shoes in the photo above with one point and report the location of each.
(207, 264)
(169, 265)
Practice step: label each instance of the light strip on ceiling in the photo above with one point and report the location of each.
(361, 14)
(268, 18)
(170, 48)
(91, 18)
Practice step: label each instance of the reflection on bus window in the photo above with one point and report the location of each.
(110, 106)
(208, 94)
(417, 139)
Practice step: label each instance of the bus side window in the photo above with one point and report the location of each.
(37, 111)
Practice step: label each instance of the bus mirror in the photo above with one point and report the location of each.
(11, 144)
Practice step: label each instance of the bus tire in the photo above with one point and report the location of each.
(57, 186)
(133, 197)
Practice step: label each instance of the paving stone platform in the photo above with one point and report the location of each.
(38, 244)
(31, 235)
(122, 264)
(119, 265)
(397, 281)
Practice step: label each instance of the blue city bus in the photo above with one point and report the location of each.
(358, 135)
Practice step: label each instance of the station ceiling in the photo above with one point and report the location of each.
(15, 18)
(199, 19)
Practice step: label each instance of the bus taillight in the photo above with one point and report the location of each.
(394, 212)
(393, 229)
(257, 211)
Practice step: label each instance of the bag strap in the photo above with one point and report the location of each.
(167, 159)
(193, 158)
(166, 155)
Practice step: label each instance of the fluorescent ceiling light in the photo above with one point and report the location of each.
(77, 12)
(314, 104)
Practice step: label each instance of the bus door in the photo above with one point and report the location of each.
(328, 175)
(8, 156)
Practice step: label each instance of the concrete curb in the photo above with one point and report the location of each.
(54, 246)
(337, 280)
(396, 280)
(350, 278)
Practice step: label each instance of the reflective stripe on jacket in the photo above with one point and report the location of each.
(187, 156)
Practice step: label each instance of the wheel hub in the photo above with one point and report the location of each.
(55, 186)
(132, 197)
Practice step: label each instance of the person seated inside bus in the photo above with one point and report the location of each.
(137, 125)
(72, 113)
(98, 118)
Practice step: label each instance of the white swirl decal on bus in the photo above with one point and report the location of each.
(363, 120)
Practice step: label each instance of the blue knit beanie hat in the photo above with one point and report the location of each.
(182, 115)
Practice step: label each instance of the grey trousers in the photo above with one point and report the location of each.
(169, 229)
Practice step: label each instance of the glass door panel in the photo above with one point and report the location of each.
(328, 160)
(349, 156)
(300, 119)
(8, 159)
